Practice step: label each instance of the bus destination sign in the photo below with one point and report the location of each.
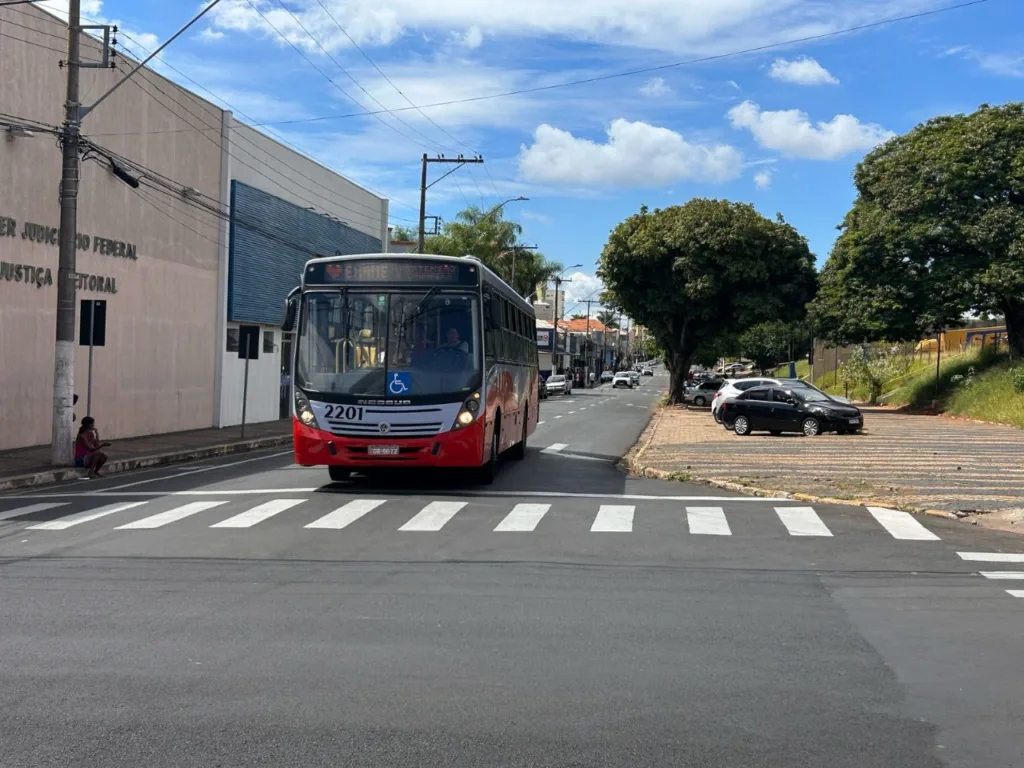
(381, 271)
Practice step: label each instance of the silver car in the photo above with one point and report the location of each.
(557, 384)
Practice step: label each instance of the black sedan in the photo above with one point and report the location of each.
(777, 410)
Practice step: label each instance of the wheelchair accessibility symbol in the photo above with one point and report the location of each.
(400, 383)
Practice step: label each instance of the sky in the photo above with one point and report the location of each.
(781, 128)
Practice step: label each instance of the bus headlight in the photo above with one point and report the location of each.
(469, 412)
(303, 411)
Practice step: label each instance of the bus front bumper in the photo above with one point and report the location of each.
(458, 448)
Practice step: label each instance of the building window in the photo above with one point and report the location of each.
(268, 341)
(232, 340)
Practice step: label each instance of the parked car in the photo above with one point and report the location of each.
(700, 393)
(735, 387)
(622, 379)
(778, 410)
(558, 384)
(607, 376)
(646, 372)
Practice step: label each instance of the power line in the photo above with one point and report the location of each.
(659, 68)
(30, 42)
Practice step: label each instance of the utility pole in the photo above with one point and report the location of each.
(590, 354)
(426, 160)
(62, 431)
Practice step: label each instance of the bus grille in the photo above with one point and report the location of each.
(411, 429)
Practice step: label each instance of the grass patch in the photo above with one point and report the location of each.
(803, 370)
(920, 391)
(989, 397)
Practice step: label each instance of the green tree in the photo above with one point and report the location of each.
(766, 343)
(937, 230)
(494, 241)
(578, 317)
(407, 234)
(873, 369)
(697, 272)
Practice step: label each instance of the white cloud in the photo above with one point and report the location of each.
(92, 13)
(210, 34)
(802, 71)
(636, 155)
(791, 132)
(656, 86)
(763, 179)
(1004, 64)
(543, 218)
(473, 38)
(677, 26)
(734, 84)
(582, 287)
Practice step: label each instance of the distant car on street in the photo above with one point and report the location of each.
(646, 372)
(607, 376)
(558, 384)
(635, 375)
(622, 379)
(778, 410)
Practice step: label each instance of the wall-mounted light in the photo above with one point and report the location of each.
(18, 132)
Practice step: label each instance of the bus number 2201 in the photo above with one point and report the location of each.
(343, 412)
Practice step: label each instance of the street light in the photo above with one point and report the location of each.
(498, 207)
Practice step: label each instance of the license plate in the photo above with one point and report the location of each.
(383, 450)
(854, 421)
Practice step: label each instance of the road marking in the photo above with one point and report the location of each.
(29, 510)
(901, 525)
(558, 417)
(1015, 592)
(613, 518)
(555, 448)
(433, 516)
(84, 517)
(802, 521)
(414, 492)
(171, 515)
(992, 557)
(539, 423)
(258, 514)
(523, 517)
(346, 515)
(194, 471)
(708, 521)
(1003, 574)
(571, 412)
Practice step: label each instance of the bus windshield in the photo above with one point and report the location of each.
(389, 344)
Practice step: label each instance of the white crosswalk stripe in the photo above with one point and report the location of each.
(1015, 592)
(613, 518)
(84, 517)
(170, 516)
(1003, 574)
(796, 521)
(433, 516)
(992, 557)
(29, 510)
(523, 517)
(802, 521)
(708, 520)
(258, 514)
(346, 515)
(901, 525)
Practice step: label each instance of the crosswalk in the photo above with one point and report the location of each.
(999, 558)
(431, 516)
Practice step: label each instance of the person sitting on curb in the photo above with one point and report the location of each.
(88, 448)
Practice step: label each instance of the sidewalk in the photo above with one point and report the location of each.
(26, 467)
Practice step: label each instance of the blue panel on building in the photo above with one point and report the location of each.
(271, 240)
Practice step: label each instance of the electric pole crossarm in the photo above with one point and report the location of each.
(426, 160)
(453, 170)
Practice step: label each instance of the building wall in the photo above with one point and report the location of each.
(270, 241)
(263, 163)
(156, 372)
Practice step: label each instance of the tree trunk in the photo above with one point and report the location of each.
(1014, 313)
(678, 367)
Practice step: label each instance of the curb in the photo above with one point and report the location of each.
(636, 468)
(143, 462)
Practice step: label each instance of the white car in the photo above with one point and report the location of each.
(635, 376)
(738, 386)
(557, 384)
(622, 379)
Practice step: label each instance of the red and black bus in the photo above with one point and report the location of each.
(410, 360)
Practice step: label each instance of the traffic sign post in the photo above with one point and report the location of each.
(248, 349)
(92, 332)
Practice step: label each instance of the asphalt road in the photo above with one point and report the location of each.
(245, 611)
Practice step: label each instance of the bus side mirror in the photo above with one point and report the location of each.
(291, 311)
(494, 313)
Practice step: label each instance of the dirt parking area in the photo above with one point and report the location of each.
(915, 462)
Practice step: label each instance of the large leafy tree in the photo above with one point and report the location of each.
(702, 271)
(494, 240)
(937, 230)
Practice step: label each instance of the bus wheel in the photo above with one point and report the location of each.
(518, 451)
(339, 474)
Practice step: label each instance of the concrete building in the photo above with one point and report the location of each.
(213, 234)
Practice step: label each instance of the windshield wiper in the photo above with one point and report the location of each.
(419, 307)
